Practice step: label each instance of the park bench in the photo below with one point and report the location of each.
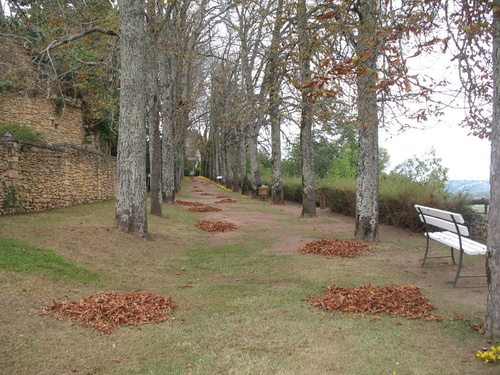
(454, 235)
(264, 193)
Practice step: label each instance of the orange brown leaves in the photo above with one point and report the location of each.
(108, 310)
(187, 203)
(393, 300)
(204, 209)
(216, 226)
(227, 200)
(334, 247)
(329, 15)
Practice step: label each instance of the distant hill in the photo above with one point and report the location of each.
(474, 188)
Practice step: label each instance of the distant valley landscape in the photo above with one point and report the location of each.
(474, 188)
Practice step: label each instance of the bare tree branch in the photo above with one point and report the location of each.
(58, 43)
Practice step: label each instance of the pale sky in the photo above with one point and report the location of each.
(466, 157)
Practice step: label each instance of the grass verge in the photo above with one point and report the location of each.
(242, 297)
(19, 256)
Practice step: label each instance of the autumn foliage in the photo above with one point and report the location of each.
(393, 300)
(331, 247)
(216, 226)
(108, 310)
(204, 209)
(228, 200)
(188, 203)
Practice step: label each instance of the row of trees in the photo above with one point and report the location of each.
(231, 69)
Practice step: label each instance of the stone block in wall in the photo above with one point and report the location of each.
(478, 225)
(41, 114)
(12, 174)
(50, 177)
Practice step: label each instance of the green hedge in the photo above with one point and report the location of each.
(397, 198)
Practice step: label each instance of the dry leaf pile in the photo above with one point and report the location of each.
(331, 247)
(394, 300)
(187, 203)
(108, 310)
(222, 196)
(216, 226)
(204, 209)
(228, 200)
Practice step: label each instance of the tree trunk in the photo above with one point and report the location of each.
(492, 321)
(242, 152)
(167, 109)
(306, 121)
(131, 211)
(254, 160)
(153, 112)
(368, 161)
(155, 190)
(274, 108)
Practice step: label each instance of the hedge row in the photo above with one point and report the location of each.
(397, 199)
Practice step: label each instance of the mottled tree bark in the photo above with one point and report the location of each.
(167, 108)
(254, 160)
(274, 108)
(492, 321)
(155, 191)
(131, 211)
(308, 178)
(367, 190)
(242, 159)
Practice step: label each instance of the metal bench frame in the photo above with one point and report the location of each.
(455, 236)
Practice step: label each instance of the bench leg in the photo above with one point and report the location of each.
(426, 255)
(426, 252)
(459, 269)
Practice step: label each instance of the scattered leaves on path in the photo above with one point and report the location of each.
(216, 226)
(187, 203)
(228, 200)
(108, 310)
(204, 209)
(393, 300)
(334, 247)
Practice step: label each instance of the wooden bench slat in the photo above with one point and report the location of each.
(447, 225)
(451, 239)
(446, 215)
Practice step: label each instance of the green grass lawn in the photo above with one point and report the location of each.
(243, 308)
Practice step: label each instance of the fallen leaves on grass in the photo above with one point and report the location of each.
(334, 247)
(393, 300)
(187, 203)
(479, 327)
(222, 196)
(108, 310)
(228, 200)
(204, 209)
(216, 226)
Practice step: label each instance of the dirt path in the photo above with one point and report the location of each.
(274, 219)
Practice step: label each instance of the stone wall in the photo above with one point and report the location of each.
(64, 125)
(478, 226)
(35, 177)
